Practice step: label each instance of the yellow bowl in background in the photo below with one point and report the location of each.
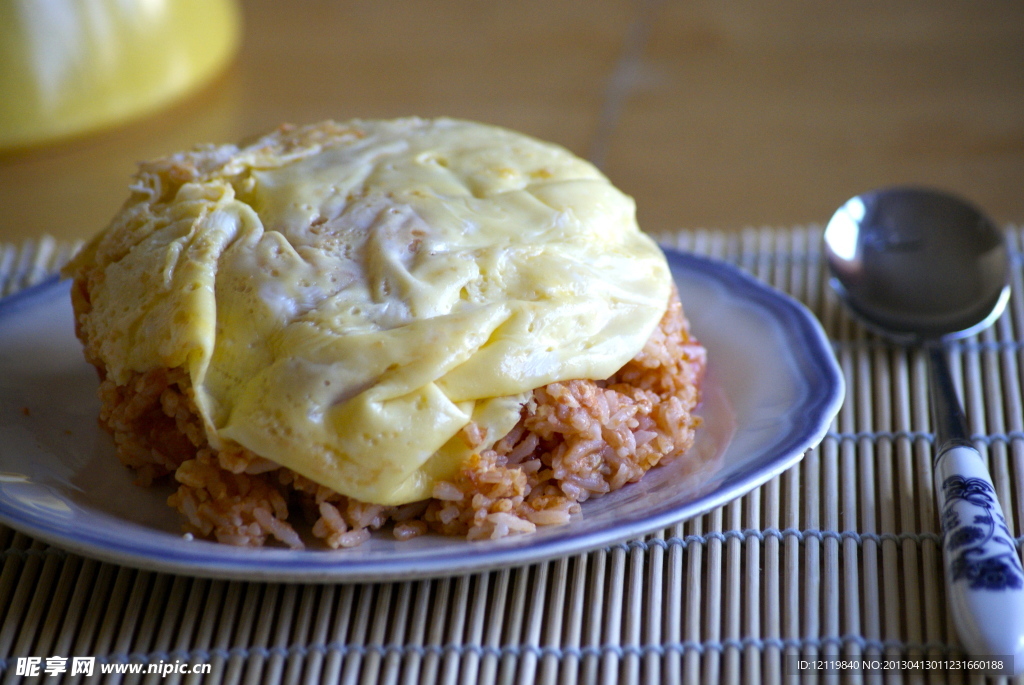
(72, 66)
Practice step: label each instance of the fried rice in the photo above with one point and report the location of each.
(575, 440)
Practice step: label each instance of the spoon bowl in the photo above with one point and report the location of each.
(917, 264)
(922, 267)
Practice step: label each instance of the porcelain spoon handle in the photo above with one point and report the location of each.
(984, 577)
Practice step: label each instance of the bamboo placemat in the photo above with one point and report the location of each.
(837, 557)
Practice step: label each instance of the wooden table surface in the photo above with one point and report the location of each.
(711, 114)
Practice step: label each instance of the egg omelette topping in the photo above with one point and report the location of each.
(346, 298)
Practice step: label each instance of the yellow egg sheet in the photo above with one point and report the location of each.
(346, 298)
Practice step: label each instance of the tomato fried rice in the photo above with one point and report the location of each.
(575, 440)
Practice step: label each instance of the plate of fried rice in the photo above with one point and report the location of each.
(769, 393)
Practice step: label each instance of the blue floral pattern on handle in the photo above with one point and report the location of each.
(983, 553)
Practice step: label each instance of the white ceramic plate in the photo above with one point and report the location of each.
(771, 391)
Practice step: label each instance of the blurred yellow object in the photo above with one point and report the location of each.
(72, 66)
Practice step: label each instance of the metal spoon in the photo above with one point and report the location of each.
(921, 267)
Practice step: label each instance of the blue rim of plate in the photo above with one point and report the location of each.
(149, 549)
